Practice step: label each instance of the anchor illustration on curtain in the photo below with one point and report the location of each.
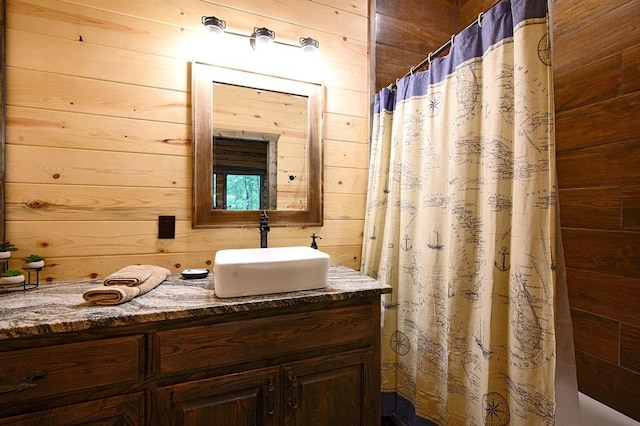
(463, 161)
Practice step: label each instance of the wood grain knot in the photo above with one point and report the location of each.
(56, 176)
(177, 266)
(93, 275)
(36, 204)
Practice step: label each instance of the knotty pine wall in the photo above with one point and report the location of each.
(597, 97)
(99, 125)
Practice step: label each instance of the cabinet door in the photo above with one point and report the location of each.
(332, 390)
(243, 399)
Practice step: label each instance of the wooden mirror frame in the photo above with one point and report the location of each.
(203, 215)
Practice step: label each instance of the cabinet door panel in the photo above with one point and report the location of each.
(327, 391)
(231, 408)
(247, 398)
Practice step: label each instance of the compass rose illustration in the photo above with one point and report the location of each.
(496, 409)
(434, 103)
(400, 343)
(544, 50)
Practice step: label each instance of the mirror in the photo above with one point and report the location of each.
(256, 146)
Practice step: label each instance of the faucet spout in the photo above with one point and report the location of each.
(264, 228)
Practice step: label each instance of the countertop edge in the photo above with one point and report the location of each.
(62, 310)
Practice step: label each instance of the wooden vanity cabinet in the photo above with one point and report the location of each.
(309, 367)
(307, 364)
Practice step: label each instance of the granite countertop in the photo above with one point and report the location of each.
(59, 307)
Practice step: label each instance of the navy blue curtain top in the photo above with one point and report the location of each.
(497, 24)
(385, 100)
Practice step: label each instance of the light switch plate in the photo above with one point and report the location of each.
(166, 227)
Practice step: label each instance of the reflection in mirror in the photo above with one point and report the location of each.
(247, 146)
(256, 147)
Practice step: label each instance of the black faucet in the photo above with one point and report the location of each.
(264, 228)
(313, 240)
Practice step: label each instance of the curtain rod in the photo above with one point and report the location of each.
(441, 49)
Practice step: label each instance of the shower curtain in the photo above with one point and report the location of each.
(461, 222)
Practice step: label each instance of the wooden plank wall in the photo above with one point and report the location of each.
(407, 31)
(99, 125)
(597, 96)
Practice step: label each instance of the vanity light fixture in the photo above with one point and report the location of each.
(308, 44)
(214, 25)
(260, 38)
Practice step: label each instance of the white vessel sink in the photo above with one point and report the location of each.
(249, 272)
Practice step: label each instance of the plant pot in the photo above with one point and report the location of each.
(5, 254)
(34, 265)
(16, 279)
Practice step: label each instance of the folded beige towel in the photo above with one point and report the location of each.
(116, 294)
(129, 275)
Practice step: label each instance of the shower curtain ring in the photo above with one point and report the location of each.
(429, 58)
(452, 36)
(411, 70)
(480, 15)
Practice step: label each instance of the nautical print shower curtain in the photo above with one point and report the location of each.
(461, 221)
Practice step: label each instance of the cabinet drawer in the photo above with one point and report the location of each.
(41, 372)
(252, 340)
(120, 410)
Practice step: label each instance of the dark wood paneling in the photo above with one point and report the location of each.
(631, 70)
(630, 347)
(469, 9)
(394, 63)
(595, 335)
(409, 10)
(595, 208)
(598, 37)
(407, 35)
(605, 122)
(603, 78)
(607, 295)
(617, 387)
(631, 208)
(571, 15)
(610, 164)
(407, 31)
(443, 17)
(610, 252)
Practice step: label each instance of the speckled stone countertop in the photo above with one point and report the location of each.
(59, 307)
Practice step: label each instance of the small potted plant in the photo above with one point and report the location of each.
(11, 276)
(33, 261)
(6, 248)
